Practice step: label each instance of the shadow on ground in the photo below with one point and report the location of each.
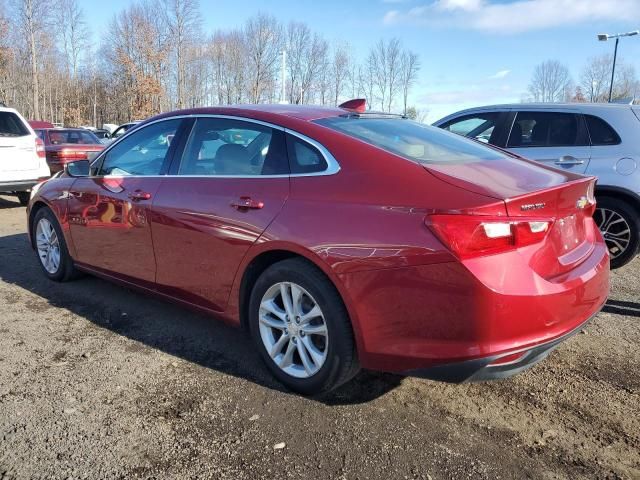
(619, 307)
(160, 325)
(9, 202)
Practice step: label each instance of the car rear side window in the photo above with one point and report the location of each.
(414, 141)
(11, 125)
(601, 132)
(303, 157)
(546, 129)
(228, 147)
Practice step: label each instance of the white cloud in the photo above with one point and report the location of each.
(500, 74)
(515, 17)
(466, 5)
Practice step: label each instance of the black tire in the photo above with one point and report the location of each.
(632, 217)
(341, 362)
(23, 197)
(66, 270)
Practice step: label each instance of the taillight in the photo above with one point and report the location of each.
(68, 155)
(40, 148)
(476, 235)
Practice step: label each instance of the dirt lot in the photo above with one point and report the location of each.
(100, 382)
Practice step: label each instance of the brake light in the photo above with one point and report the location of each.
(476, 235)
(40, 148)
(68, 155)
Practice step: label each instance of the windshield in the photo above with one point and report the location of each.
(412, 140)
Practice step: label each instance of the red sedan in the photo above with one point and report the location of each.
(340, 239)
(64, 145)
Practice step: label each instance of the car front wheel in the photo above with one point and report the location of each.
(301, 328)
(51, 247)
(619, 224)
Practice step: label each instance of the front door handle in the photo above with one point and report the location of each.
(138, 195)
(568, 161)
(246, 203)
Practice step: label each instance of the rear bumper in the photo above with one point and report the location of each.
(481, 369)
(459, 318)
(17, 185)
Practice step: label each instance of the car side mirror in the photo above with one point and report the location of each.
(79, 168)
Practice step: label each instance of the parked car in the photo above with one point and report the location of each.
(103, 135)
(339, 239)
(122, 129)
(22, 159)
(63, 145)
(591, 139)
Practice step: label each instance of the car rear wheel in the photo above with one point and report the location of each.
(301, 328)
(51, 248)
(619, 224)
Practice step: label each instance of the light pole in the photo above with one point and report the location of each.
(603, 37)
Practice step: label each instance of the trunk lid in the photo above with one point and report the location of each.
(534, 192)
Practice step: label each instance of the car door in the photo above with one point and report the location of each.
(556, 138)
(109, 212)
(230, 182)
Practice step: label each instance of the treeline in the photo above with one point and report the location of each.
(552, 82)
(157, 56)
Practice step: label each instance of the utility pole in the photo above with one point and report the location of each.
(603, 37)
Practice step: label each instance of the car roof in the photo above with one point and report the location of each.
(583, 106)
(550, 106)
(299, 112)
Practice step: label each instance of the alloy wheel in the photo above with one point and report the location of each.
(615, 230)
(48, 246)
(293, 329)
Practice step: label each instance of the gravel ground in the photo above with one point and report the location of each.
(97, 381)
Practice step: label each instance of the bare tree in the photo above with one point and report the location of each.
(183, 19)
(410, 66)
(340, 68)
(263, 37)
(74, 37)
(595, 78)
(31, 16)
(5, 52)
(551, 82)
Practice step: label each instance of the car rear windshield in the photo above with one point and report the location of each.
(412, 140)
(80, 137)
(11, 125)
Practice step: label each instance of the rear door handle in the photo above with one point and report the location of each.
(246, 203)
(138, 195)
(568, 160)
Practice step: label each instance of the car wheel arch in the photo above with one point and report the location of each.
(262, 258)
(35, 208)
(619, 193)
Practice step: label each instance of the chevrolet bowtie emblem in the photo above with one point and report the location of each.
(582, 202)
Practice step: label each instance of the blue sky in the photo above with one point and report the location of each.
(473, 52)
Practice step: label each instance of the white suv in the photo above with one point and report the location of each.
(22, 156)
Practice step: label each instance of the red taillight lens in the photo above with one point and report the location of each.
(475, 235)
(67, 155)
(40, 148)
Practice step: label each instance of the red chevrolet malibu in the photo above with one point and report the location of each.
(339, 238)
